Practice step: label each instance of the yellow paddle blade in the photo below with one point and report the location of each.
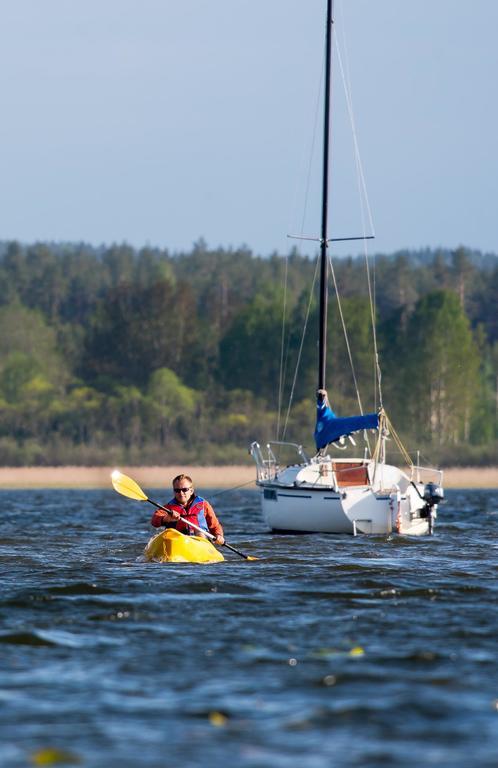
(126, 486)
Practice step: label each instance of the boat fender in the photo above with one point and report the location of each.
(395, 507)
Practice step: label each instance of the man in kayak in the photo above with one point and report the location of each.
(186, 505)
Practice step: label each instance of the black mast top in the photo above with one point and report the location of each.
(322, 345)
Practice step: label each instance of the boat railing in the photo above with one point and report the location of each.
(262, 465)
(267, 468)
(421, 474)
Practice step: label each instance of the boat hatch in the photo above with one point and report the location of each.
(351, 473)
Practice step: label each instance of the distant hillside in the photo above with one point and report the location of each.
(113, 353)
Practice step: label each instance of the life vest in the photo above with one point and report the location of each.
(194, 514)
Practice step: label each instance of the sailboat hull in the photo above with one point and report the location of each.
(317, 511)
(289, 510)
(344, 496)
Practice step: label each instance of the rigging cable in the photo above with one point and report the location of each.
(398, 442)
(346, 339)
(291, 396)
(281, 377)
(349, 103)
(283, 362)
(371, 290)
(363, 202)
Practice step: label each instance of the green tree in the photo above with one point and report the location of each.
(170, 403)
(28, 348)
(357, 320)
(441, 364)
(250, 350)
(135, 332)
(16, 275)
(462, 272)
(124, 415)
(81, 415)
(483, 425)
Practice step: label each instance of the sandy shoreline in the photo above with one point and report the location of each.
(204, 477)
(99, 477)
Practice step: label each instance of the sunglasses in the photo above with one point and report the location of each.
(182, 490)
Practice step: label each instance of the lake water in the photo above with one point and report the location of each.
(327, 651)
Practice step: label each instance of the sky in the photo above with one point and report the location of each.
(160, 122)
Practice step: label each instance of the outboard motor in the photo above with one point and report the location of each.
(433, 495)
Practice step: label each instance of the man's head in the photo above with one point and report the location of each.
(182, 488)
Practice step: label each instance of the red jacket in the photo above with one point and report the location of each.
(198, 511)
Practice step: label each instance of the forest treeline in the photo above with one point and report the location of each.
(117, 355)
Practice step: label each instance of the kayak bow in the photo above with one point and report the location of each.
(171, 546)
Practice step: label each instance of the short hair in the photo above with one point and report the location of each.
(182, 477)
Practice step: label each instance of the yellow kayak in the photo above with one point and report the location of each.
(171, 546)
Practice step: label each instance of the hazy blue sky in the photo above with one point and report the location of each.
(161, 121)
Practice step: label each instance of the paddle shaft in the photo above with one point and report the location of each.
(204, 533)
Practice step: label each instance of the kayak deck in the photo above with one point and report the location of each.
(171, 546)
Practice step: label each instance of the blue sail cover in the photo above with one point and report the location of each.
(330, 427)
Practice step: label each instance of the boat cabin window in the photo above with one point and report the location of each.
(269, 493)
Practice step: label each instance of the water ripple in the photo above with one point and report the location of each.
(328, 650)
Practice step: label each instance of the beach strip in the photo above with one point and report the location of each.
(203, 477)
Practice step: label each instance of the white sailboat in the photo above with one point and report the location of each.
(327, 494)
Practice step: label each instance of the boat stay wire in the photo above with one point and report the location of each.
(303, 335)
(364, 202)
(282, 345)
(283, 357)
(346, 339)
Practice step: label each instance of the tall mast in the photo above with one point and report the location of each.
(322, 343)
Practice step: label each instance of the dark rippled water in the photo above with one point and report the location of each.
(328, 651)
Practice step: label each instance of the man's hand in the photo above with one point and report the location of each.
(174, 514)
(219, 540)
